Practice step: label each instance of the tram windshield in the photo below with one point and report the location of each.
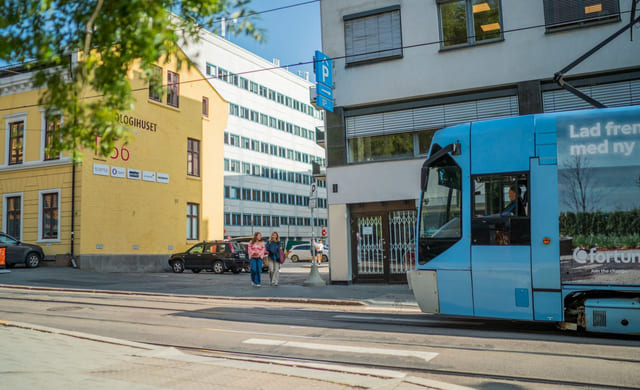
(440, 209)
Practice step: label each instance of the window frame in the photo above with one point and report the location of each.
(193, 157)
(382, 54)
(41, 215)
(205, 107)
(193, 221)
(154, 80)
(582, 22)
(173, 89)
(6, 213)
(491, 225)
(469, 26)
(17, 142)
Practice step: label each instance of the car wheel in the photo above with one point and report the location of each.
(32, 260)
(325, 258)
(177, 266)
(218, 267)
(295, 258)
(196, 270)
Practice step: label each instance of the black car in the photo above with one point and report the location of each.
(215, 256)
(18, 252)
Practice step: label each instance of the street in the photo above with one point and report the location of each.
(478, 353)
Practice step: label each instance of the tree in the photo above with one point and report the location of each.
(577, 175)
(106, 37)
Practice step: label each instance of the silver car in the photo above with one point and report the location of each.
(302, 252)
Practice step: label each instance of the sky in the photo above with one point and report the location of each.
(291, 34)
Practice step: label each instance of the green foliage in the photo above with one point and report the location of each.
(618, 229)
(607, 242)
(47, 35)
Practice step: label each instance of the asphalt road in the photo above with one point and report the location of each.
(476, 353)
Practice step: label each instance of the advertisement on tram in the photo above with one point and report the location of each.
(599, 197)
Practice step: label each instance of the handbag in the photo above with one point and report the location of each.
(281, 259)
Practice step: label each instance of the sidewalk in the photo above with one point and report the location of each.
(227, 285)
(36, 357)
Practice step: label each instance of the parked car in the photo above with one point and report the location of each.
(18, 252)
(216, 256)
(302, 252)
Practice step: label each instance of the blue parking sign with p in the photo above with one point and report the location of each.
(322, 66)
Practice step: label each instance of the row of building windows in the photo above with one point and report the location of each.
(48, 216)
(173, 87)
(267, 148)
(376, 35)
(267, 172)
(269, 121)
(259, 89)
(15, 147)
(240, 193)
(238, 219)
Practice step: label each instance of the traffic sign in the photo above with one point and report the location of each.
(322, 66)
(314, 191)
(323, 90)
(325, 103)
(324, 232)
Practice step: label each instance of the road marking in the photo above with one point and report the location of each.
(391, 319)
(358, 317)
(426, 356)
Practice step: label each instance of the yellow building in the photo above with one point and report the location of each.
(157, 194)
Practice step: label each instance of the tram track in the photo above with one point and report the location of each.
(336, 330)
(296, 361)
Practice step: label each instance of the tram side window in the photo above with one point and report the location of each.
(501, 210)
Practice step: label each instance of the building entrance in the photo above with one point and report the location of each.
(382, 241)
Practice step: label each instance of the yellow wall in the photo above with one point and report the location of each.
(121, 215)
(34, 175)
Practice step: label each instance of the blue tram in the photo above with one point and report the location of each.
(534, 218)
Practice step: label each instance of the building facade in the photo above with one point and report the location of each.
(269, 142)
(158, 193)
(406, 68)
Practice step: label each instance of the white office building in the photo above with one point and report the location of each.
(270, 142)
(405, 68)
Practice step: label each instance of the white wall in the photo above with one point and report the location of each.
(425, 70)
(375, 182)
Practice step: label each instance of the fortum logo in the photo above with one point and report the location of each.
(593, 256)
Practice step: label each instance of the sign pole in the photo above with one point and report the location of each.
(314, 279)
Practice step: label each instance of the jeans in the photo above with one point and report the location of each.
(274, 271)
(256, 270)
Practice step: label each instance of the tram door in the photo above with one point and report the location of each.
(501, 246)
(382, 245)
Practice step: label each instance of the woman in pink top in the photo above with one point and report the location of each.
(256, 253)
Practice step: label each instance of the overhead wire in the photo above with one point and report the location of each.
(285, 67)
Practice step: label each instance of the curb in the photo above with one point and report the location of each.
(337, 302)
